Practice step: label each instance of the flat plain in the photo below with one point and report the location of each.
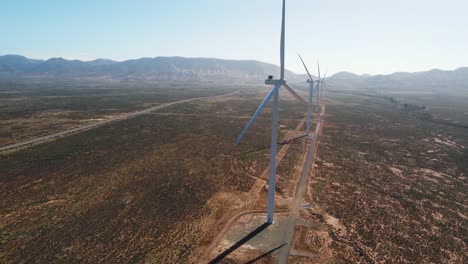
(33, 109)
(137, 190)
(389, 182)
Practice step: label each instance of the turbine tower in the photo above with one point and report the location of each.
(277, 83)
(318, 86)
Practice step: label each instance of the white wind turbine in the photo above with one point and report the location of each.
(310, 81)
(320, 83)
(274, 128)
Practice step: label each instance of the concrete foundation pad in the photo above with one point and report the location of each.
(268, 238)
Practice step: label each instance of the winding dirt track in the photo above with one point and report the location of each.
(101, 123)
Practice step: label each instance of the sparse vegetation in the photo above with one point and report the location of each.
(127, 191)
(32, 109)
(397, 182)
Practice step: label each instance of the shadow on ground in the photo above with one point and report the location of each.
(286, 142)
(244, 240)
(265, 254)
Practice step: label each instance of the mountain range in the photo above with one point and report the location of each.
(145, 69)
(172, 69)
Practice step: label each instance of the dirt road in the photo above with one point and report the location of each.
(229, 219)
(293, 218)
(101, 123)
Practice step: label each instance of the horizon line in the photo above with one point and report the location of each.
(188, 57)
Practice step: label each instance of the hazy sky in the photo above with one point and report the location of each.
(363, 36)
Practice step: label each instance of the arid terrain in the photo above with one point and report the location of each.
(234, 132)
(140, 189)
(388, 182)
(32, 109)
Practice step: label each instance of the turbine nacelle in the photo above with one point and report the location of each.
(271, 81)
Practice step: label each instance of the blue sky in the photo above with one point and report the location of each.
(362, 36)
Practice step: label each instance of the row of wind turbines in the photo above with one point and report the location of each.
(274, 93)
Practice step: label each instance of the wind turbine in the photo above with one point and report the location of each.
(320, 82)
(310, 81)
(323, 83)
(274, 126)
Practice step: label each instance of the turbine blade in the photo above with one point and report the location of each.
(297, 96)
(282, 44)
(325, 75)
(259, 109)
(307, 70)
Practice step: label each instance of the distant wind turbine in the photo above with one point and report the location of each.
(323, 84)
(274, 128)
(310, 81)
(320, 83)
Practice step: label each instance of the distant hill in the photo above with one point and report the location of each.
(17, 63)
(428, 81)
(433, 81)
(346, 80)
(346, 76)
(148, 69)
(174, 69)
